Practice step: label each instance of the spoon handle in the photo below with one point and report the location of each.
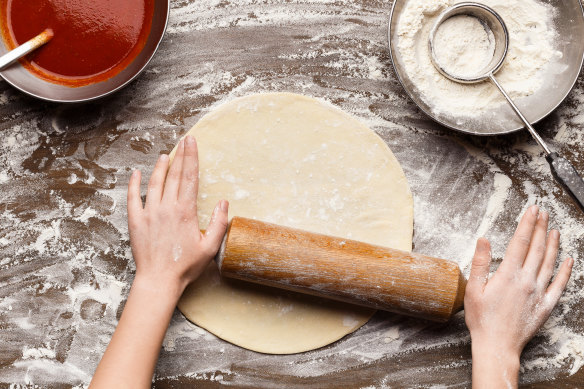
(565, 173)
(25, 48)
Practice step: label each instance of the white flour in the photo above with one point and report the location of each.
(531, 48)
(463, 188)
(463, 47)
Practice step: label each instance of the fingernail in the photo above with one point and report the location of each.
(224, 205)
(135, 173)
(163, 157)
(555, 234)
(569, 262)
(189, 140)
(534, 210)
(544, 215)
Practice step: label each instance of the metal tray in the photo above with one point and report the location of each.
(569, 23)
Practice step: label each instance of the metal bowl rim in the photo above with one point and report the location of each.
(442, 122)
(453, 11)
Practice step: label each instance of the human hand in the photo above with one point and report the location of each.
(170, 252)
(166, 242)
(504, 312)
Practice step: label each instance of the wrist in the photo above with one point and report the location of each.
(160, 289)
(494, 366)
(494, 350)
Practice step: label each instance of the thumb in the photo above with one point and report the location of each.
(481, 263)
(216, 229)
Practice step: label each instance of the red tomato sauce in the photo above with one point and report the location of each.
(93, 39)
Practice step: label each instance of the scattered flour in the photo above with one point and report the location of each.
(36, 353)
(176, 252)
(74, 273)
(391, 335)
(241, 194)
(72, 179)
(350, 321)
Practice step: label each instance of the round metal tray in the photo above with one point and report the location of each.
(569, 23)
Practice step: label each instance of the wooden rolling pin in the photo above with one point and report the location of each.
(341, 269)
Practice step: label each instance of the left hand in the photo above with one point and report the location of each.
(168, 248)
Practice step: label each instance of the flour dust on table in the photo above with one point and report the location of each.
(65, 260)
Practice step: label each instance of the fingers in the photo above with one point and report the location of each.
(537, 248)
(556, 288)
(519, 245)
(216, 229)
(156, 183)
(134, 200)
(481, 263)
(190, 173)
(551, 253)
(174, 174)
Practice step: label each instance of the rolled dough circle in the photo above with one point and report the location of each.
(295, 161)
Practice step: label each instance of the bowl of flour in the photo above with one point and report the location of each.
(545, 56)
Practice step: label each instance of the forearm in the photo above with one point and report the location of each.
(131, 356)
(494, 368)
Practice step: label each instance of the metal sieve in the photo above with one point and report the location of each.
(563, 171)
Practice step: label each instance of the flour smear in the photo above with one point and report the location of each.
(65, 260)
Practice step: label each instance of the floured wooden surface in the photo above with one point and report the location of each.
(65, 263)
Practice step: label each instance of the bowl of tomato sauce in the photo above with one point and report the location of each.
(98, 47)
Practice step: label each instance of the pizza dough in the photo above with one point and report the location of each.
(295, 161)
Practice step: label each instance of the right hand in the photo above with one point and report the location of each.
(504, 312)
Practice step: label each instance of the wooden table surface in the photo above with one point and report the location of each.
(65, 261)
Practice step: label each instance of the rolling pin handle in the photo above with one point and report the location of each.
(221, 252)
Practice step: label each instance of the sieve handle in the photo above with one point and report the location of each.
(562, 170)
(528, 125)
(565, 174)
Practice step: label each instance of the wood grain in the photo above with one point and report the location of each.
(65, 261)
(342, 269)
